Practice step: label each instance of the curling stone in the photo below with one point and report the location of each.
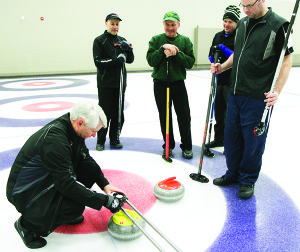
(169, 190)
(122, 228)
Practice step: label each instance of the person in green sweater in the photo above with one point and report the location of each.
(178, 51)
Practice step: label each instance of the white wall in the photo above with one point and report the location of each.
(62, 42)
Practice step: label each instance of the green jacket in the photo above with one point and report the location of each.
(184, 59)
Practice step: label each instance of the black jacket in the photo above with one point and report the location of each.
(44, 172)
(105, 55)
(220, 38)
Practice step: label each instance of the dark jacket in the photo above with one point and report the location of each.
(44, 172)
(255, 58)
(220, 38)
(105, 55)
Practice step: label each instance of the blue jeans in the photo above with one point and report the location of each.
(243, 149)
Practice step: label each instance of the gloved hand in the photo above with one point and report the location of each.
(114, 204)
(126, 46)
(122, 57)
(226, 51)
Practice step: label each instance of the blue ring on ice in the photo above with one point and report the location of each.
(13, 122)
(76, 83)
(269, 221)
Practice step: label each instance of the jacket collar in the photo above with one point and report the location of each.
(264, 18)
(230, 35)
(109, 34)
(71, 131)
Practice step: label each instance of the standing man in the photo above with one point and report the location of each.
(178, 49)
(110, 53)
(50, 179)
(258, 45)
(224, 40)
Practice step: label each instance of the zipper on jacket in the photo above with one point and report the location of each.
(238, 63)
(102, 75)
(39, 195)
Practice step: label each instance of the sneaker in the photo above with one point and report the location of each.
(116, 144)
(78, 220)
(214, 144)
(170, 152)
(223, 181)
(30, 239)
(99, 147)
(246, 191)
(187, 154)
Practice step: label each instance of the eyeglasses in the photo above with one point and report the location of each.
(248, 5)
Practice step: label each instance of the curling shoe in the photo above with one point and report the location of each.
(116, 144)
(246, 191)
(170, 153)
(76, 221)
(30, 239)
(223, 181)
(99, 147)
(187, 154)
(214, 144)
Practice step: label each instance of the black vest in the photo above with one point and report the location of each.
(255, 60)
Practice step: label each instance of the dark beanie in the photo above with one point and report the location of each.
(232, 12)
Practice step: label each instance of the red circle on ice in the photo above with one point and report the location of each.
(138, 190)
(39, 83)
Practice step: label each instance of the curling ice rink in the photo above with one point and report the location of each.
(208, 218)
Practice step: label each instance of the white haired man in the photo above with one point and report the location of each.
(51, 177)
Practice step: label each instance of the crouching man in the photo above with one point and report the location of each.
(50, 179)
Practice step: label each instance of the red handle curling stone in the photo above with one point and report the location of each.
(169, 190)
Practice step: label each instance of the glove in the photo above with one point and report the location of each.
(211, 59)
(126, 46)
(114, 204)
(226, 51)
(122, 57)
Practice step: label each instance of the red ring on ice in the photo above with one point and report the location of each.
(38, 83)
(48, 106)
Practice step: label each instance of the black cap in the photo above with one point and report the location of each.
(112, 16)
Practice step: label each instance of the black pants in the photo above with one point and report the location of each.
(220, 110)
(178, 98)
(88, 175)
(109, 102)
